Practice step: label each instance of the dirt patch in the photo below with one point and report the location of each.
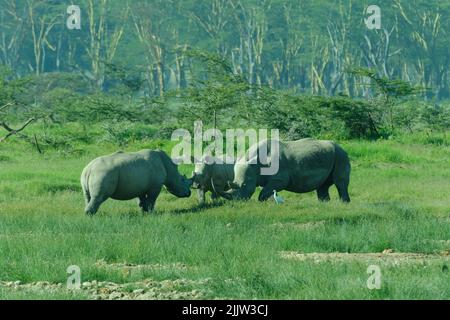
(147, 289)
(388, 256)
(300, 226)
(128, 268)
(390, 165)
(439, 242)
(34, 286)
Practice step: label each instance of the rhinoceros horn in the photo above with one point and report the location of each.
(214, 188)
(225, 195)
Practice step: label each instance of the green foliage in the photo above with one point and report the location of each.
(5, 90)
(218, 93)
(388, 88)
(332, 117)
(9, 89)
(123, 133)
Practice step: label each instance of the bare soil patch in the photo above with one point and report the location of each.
(388, 256)
(300, 226)
(130, 267)
(147, 289)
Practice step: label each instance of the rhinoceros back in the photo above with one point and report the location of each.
(309, 163)
(127, 175)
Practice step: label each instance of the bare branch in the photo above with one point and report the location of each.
(6, 105)
(14, 131)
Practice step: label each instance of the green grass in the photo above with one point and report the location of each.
(400, 201)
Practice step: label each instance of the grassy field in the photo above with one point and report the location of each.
(302, 249)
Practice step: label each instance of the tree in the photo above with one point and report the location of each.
(391, 91)
(42, 21)
(103, 43)
(151, 26)
(12, 32)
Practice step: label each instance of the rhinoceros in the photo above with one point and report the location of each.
(211, 176)
(125, 176)
(304, 165)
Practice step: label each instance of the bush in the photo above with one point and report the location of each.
(123, 133)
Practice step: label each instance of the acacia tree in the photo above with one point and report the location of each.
(103, 42)
(7, 101)
(391, 91)
(427, 25)
(153, 31)
(339, 31)
(303, 45)
(13, 19)
(41, 21)
(252, 26)
(10, 131)
(213, 18)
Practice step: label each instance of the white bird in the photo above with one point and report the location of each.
(278, 199)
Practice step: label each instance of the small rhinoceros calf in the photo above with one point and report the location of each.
(125, 176)
(210, 175)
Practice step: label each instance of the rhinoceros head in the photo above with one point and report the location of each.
(244, 184)
(195, 181)
(199, 176)
(180, 187)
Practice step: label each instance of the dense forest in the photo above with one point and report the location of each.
(303, 45)
(308, 68)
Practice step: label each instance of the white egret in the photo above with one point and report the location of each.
(278, 199)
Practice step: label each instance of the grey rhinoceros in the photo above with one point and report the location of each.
(210, 175)
(125, 176)
(304, 165)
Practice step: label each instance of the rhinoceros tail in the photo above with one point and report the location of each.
(85, 185)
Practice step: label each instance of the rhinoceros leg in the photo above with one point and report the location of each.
(94, 204)
(143, 203)
(342, 187)
(214, 196)
(323, 191)
(101, 187)
(342, 180)
(87, 197)
(323, 194)
(278, 183)
(341, 174)
(152, 195)
(201, 195)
